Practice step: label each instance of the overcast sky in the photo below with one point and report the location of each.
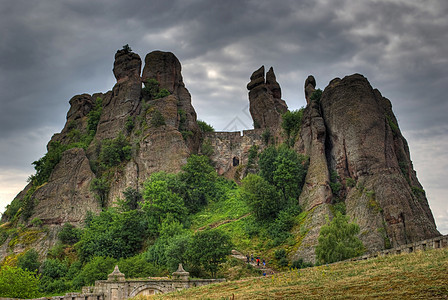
(53, 50)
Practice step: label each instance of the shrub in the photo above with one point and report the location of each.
(300, 264)
(18, 283)
(29, 261)
(127, 49)
(291, 124)
(69, 234)
(204, 127)
(114, 151)
(157, 119)
(97, 269)
(316, 95)
(209, 249)
(338, 240)
(93, 117)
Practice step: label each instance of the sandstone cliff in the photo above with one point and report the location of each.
(357, 154)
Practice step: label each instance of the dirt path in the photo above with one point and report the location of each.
(240, 256)
(217, 224)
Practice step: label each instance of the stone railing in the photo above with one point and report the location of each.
(434, 243)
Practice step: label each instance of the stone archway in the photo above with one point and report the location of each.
(146, 289)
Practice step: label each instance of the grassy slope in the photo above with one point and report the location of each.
(420, 275)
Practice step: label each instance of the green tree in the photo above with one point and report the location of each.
(338, 240)
(266, 163)
(113, 234)
(209, 249)
(18, 283)
(69, 234)
(137, 267)
(161, 203)
(100, 186)
(114, 151)
(97, 269)
(200, 178)
(289, 174)
(291, 124)
(93, 117)
(29, 261)
(132, 199)
(205, 127)
(261, 197)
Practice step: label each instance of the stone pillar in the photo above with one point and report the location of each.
(181, 274)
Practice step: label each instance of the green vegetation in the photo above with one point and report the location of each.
(204, 127)
(291, 124)
(93, 117)
(18, 283)
(152, 90)
(338, 240)
(316, 95)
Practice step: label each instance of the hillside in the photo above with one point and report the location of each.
(419, 275)
(135, 178)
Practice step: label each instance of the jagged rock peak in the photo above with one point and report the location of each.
(266, 105)
(127, 64)
(310, 87)
(165, 68)
(273, 85)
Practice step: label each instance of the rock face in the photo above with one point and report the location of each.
(166, 69)
(266, 105)
(353, 135)
(350, 135)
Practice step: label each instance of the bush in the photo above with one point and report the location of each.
(69, 234)
(209, 249)
(29, 261)
(157, 119)
(291, 124)
(93, 117)
(204, 127)
(137, 267)
(316, 95)
(114, 151)
(18, 283)
(97, 269)
(300, 264)
(338, 240)
(261, 197)
(113, 234)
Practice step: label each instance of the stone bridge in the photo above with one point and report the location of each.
(116, 287)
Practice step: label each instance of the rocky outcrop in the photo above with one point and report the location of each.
(366, 145)
(67, 190)
(266, 106)
(166, 69)
(352, 134)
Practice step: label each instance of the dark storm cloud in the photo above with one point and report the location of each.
(52, 50)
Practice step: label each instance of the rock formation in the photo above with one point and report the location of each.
(350, 135)
(266, 105)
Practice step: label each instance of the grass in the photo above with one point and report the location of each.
(418, 275)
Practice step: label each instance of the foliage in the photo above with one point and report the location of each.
(137, 267)
(300, 264)
(100, 186)
(127, 49)
(132, 199)
(284, 169)
(209, 249)
(97, 269)
(157, 119)
(261, 197)
(36, 222)
(204, 127)
(129, 125)
(113, 234)
(206, 148)
(114, 151)
(161, 203)
(266, 136)
(335, 185)
(69, 234)
(45, 165)
(18, 283)
(152, 90)
(93, 117)
(291, 124)
(29, 261)
(316, 95)
(338, 240)
(200, 178)
(350, 182)
(253, 153)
